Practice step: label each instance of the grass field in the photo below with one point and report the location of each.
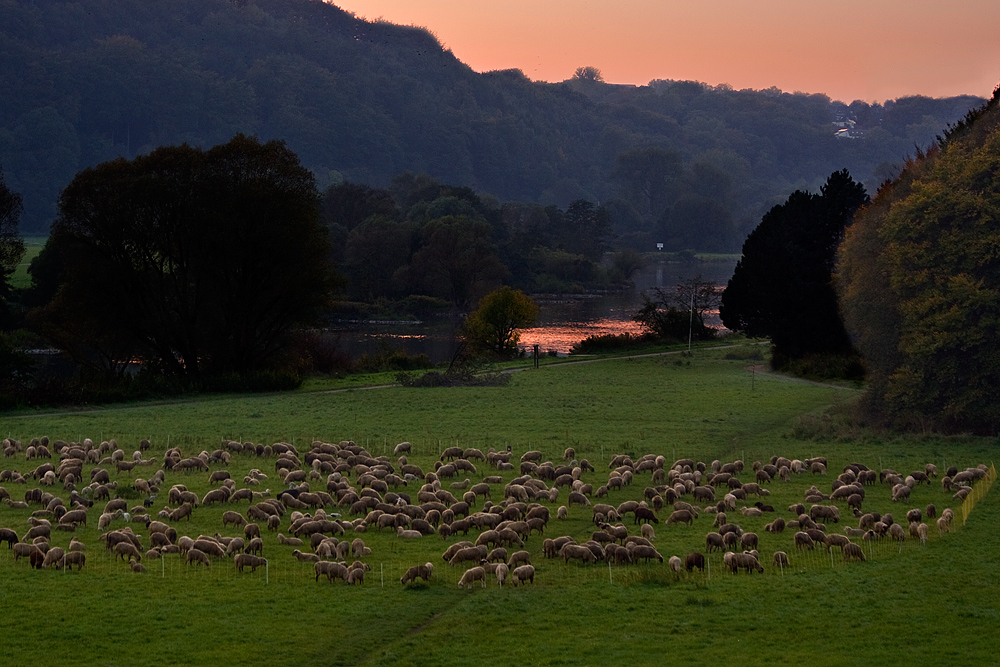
(910, 604)
(32, 246)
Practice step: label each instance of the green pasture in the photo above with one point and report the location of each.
(32, 246)
(909, 604)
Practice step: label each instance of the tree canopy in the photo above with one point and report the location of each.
(495, 325)
(197, 262)
(919, 279)
(782, 286)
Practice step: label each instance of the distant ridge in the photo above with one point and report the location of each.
(89, 80)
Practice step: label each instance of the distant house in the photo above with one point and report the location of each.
(849, 134)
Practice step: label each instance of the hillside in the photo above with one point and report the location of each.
(89, 80)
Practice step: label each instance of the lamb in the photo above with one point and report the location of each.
(474, 574)
(417, 571)
(522, 574)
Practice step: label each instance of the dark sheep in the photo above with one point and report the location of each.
(694, 560)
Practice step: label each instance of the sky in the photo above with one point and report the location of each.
(871, 50)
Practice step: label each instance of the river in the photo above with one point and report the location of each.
(563, 320)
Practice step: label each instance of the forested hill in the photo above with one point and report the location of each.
(84, 81)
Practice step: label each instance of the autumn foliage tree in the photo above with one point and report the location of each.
(919, 281)
(495, 326)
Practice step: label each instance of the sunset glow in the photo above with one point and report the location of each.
(873, 50)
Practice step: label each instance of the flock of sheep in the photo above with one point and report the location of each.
(325, 498)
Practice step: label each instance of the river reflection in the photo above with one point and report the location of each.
(563, 320)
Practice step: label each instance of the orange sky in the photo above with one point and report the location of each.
(851, 49)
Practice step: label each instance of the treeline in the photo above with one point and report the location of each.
(421, 237)
(681, 163)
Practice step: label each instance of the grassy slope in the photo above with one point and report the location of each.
(927, 605)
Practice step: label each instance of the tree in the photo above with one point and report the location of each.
(782, 286)
(457, 259)
(649, 178)
(495, 325)
(919, 282)
(11, 243)
(588, 73)
(199, 262)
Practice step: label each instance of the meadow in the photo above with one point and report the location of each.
(909, 604)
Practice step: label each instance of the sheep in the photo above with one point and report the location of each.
(647, 531)
(126, 550)
(694, 560)
(305, 557)
(197, 556)
(579, 552)
(519, 558)
(501, 572)
(417, 571)
(896, 532)
(522, 574)
(474, 574)
(54, 557)
(853, 552)
(642, 551)
(77, 558)
(746, 561)
(291, 541)
(680, 516)
(675, 565)
(780, 558)
(802, 540)
(714, 541)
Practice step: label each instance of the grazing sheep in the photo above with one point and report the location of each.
(694, 560)
(501, 572)
(579, 552)
(53, 557)
(474, 574)
(854, 552)
(647, 531)
(780, 559)
(714, 541)
(522, 574)
(417, 571)
(922, 533)
(896, 532)
(802, 540)
(197, 556)
(126, 551)
(77, 558)
(675, 565)
(642, 551)
(746, 561)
